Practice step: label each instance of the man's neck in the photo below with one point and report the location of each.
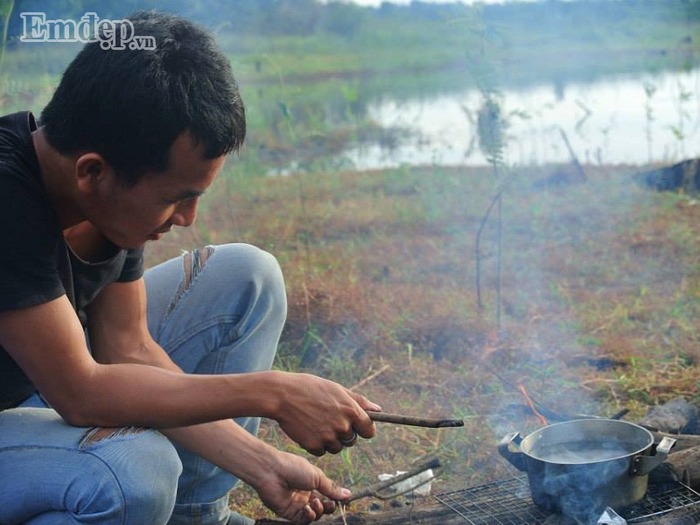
(57, 177)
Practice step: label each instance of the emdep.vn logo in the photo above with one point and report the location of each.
(112, 34)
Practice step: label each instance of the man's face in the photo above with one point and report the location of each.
(131, 216)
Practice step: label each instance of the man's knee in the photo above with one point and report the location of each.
(146, 467)
(156, 490)
(261, 273)
(245, 265)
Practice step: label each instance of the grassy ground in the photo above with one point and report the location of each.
(600, 296)
(600, 282)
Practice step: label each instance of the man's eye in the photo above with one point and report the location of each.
(182, 200)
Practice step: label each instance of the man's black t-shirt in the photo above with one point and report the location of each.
(38, 266)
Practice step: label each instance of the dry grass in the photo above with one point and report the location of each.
(600, 301)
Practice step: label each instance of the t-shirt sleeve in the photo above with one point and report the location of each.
(30, 239)
(133, 266)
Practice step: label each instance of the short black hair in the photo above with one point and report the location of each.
(130, 105)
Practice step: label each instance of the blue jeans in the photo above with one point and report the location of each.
(216, 310)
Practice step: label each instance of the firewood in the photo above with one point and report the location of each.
(687, 464)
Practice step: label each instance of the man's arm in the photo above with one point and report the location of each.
(285, 482)
(312, 410)
(136, 383)
(48, 343)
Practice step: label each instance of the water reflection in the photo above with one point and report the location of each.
(649, 118)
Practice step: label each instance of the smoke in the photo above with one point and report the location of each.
(581, 492)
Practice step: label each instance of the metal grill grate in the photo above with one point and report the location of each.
(660, 500)
(501, 503)
(508, 502)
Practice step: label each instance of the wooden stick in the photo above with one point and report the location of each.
(384, 417)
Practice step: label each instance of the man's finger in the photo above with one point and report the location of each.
(350, 440)
(317, 506)
(318, 452)
(332, 491)
(363, 425)
(366, 403)
(328, 506)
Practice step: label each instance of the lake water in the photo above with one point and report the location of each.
(650, 118)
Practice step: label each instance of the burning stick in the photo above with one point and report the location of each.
(414, 421)
(531, 404)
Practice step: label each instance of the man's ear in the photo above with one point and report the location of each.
(91, 170)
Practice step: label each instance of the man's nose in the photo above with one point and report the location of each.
(185, 213)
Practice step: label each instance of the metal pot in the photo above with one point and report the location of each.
(580, 467)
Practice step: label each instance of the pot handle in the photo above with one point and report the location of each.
(642, 465)
(517, 459)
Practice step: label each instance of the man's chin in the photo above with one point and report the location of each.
(131, 245)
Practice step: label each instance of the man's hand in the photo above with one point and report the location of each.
(323, 416)
(296, 490)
